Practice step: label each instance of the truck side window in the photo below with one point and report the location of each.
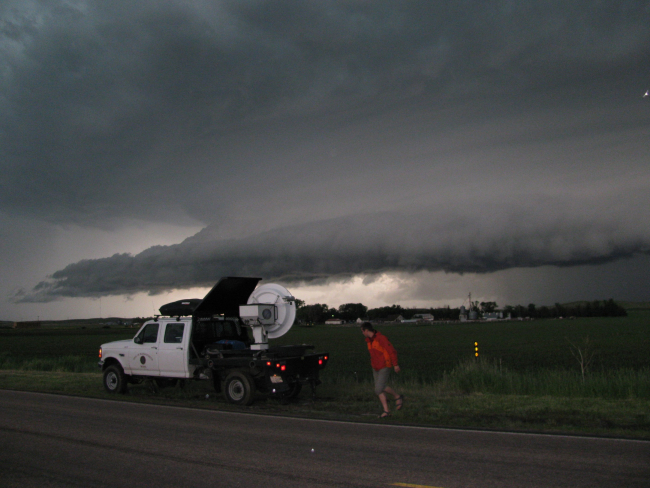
(150, 333)
(174, 333)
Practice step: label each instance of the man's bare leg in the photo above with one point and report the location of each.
(384, 402)
(390, 391)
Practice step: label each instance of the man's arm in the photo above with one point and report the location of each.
(392, 353)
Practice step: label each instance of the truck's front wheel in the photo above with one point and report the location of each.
(239, 388)
(114, 379)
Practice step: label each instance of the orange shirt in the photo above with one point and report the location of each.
(382, 352)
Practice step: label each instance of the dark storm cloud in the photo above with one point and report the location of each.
(411, 135)
(496, 238)
(105, 103)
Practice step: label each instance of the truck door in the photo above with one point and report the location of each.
(172, 353)
(143, 352)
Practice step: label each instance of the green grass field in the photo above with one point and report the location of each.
(525, 378)
(426, 352)
(52, 348)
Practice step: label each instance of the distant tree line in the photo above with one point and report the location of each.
(349, 312)
(596, 308)
(383, 313)
(320, 312)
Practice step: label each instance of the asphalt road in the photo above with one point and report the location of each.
(56, 441)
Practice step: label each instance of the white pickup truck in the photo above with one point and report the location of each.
(209, 340)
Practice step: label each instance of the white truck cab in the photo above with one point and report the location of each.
(158, 349)
(209, 339)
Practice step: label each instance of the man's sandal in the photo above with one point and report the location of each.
(399, 399)
(384, 415)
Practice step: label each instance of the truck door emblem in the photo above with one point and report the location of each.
(142, 360)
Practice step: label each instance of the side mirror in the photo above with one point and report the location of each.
(137, 339)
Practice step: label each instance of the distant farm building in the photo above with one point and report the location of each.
(471, 314)
(27, 325)
(334, 321)
(422, 317)
(493, 316)
(394, 318)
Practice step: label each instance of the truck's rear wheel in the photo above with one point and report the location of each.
(114, 379)
(239, 388)
(294, 390)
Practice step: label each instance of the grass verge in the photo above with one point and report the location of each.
(433, 405)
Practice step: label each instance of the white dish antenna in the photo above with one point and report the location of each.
(285, 305)
(269, 322)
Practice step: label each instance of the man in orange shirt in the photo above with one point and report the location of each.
(383, 357)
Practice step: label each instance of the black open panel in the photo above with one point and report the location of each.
(226, 297)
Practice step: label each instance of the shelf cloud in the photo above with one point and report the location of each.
(317, 140)
(362, 245)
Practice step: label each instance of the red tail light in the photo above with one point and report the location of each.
(280, 366)
(100, 353)
(320, 362)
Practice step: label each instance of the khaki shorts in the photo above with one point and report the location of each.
(381, 379)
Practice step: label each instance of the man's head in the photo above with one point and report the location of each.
(367, 329)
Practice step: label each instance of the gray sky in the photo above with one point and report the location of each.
(386, 152)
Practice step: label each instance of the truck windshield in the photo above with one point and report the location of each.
(148, 334)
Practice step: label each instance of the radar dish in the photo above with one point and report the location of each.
(284, 302)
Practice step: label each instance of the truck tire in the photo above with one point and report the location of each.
(295, 390)
(114, 379)
(239, 388)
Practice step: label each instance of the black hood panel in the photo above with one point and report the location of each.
(226, 297)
